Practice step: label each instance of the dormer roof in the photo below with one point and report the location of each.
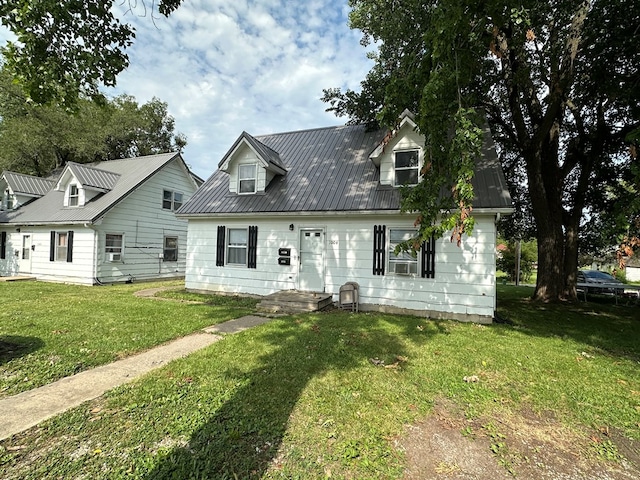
(268, 157)
(90, 178)
(407, 118)
(27, 185)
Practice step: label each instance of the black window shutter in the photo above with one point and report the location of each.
(379, 249)
(3, 245)
(429, 258)
(70, 246)
(220, 246)
(252, 247)
(52, 247)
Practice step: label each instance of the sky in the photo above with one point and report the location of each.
(228, 66)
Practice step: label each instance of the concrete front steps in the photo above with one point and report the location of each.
(294, 301)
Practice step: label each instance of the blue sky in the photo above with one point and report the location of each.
(229, 66)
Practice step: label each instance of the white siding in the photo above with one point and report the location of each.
(80, 270)
(464, 282)
(144, 224)
(9, 265)
(633, 274)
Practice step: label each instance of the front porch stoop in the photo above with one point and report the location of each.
(294, 301)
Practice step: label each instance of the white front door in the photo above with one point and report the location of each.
(312, 260)
(24, 263)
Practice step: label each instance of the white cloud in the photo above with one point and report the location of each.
(233, 65)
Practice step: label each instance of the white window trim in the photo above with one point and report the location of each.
(418, 167)
(76, 196)
(391, 264)
(173, 199)
(228, 246)
(254, 178)
(164, 248)
(58, 257)
(111, 256)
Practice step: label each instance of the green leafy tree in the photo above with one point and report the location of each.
(558, 82)
(507, 258)
(68, 48)
(36, 139)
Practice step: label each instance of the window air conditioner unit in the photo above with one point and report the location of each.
(114, 257)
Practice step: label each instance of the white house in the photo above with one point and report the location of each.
(97, 223)
(314, 209)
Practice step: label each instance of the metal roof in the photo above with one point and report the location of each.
(93, 178)
(27, 184)
(329, 169)
(130, 172)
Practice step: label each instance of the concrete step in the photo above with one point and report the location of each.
(294, 301)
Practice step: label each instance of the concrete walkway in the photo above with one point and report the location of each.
(27, 409)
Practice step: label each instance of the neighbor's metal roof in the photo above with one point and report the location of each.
(131, 172)
(329, 169)
(28, 184)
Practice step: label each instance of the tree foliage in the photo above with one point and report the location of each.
(35, 139)
(558, 81)
(68, 48)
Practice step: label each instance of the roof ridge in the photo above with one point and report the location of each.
(308, 130)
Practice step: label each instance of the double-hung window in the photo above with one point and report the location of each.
(74, 195)
(113, 247)
(407, 165)
(62, 244)
(237, 246)
(247, 179)
(403, 263)
(170, 249)
(171, 200)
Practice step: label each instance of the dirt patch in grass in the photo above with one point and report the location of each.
(527, 445)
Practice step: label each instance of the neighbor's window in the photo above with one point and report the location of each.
(113, 247)
(247, 179)
(171, 200)
(404, 263)
(237, 246)
(8, 199)
(407, 167)
(170, 251)
(62, 243)
(73, 195)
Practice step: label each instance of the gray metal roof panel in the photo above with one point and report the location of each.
(329, 170)
(28, 184)
(132, 173)
(90, 177)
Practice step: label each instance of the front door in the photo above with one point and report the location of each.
(24, 265)
(312, 260)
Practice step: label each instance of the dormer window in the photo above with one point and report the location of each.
(407, 165)
(247, 178)
(74, 195)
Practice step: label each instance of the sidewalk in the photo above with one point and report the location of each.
(24, 410)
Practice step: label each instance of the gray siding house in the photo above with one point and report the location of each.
(97, 223)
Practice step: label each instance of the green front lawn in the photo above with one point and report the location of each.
(49, 331)
(325, 395)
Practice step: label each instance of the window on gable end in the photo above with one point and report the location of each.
(114, 246)
(74, 195)
(247, 178)
(407, 165)
(171, 200)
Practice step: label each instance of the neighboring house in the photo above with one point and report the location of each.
(97, 223)
(314, 209)
(632, 269)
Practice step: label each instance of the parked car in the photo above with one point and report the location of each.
(596, 277)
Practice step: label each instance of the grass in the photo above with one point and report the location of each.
(324, 395)
(49, 331)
